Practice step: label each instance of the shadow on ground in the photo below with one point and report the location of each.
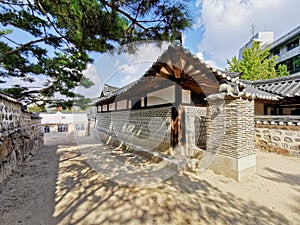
(288, 178)
(83, 196)
(58, 187)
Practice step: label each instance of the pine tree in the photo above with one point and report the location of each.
(60, 34)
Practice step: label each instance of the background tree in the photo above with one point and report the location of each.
(256, 64)
(35, 108)
(59, 35)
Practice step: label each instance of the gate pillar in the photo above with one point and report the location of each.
(236, 157)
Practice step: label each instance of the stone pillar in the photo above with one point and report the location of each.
(236, 157)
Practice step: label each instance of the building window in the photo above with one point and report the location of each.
(62, 128)
(297, 63)
(292, 64)
(79, 127)
(276, 52)
(289, 65)
(293, 44)
(291, 109)
(46, 129)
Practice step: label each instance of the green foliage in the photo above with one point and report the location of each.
(256, 64)
(60, 34)
(82, 103)
(15, 91)
(36, 108)
(282, 70)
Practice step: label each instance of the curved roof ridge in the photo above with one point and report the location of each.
(277, 79)
(287, 86)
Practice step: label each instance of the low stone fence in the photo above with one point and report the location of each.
(20, 135)
(279, 134)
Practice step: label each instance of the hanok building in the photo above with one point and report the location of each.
(287, 91)
(182, 107)
(278, 121)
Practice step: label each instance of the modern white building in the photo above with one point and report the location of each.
(59, 122)
(264, 38)
(287, 50)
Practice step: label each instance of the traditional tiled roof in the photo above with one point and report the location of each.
(278, 120)
(108, 90)
(259, 94)
(8, 98)
(198, 69)
(288, 86)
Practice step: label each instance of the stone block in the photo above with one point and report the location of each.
(237, 168)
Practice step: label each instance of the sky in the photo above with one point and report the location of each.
(220, 28)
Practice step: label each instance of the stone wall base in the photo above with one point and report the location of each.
(283, 140)
(238, 169)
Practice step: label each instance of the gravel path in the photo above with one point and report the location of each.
(58, 186)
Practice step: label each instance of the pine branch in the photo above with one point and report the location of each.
(24, 46)
(115, 8)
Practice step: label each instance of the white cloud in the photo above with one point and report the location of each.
(183, 39)
(227, 23)
(38, 83)
(91, 73)
(200, 55)
(198, 3)
(130, 67)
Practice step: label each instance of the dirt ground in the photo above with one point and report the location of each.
(57, 186)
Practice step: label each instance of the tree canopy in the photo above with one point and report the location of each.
(256, 64)
(54, 38)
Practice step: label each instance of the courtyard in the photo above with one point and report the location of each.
(58, 186)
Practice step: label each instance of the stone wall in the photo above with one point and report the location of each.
(20, 135)
(280, 139)
(149, 128)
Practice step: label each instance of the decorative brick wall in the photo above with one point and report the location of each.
(236, 156)
(238, 119)
(20, 136)
(149, 128)
(195, 122)
(281, 139)
(229, 128)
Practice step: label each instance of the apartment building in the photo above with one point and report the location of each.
(287, 50)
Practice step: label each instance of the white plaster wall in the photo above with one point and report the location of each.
(142, 102)
(58, 118)
(163, 96)
(112, 106)
(121, 104)
(104, 108)
(186, 96)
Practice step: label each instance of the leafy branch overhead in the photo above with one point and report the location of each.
(257, 64)
(58, 36)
